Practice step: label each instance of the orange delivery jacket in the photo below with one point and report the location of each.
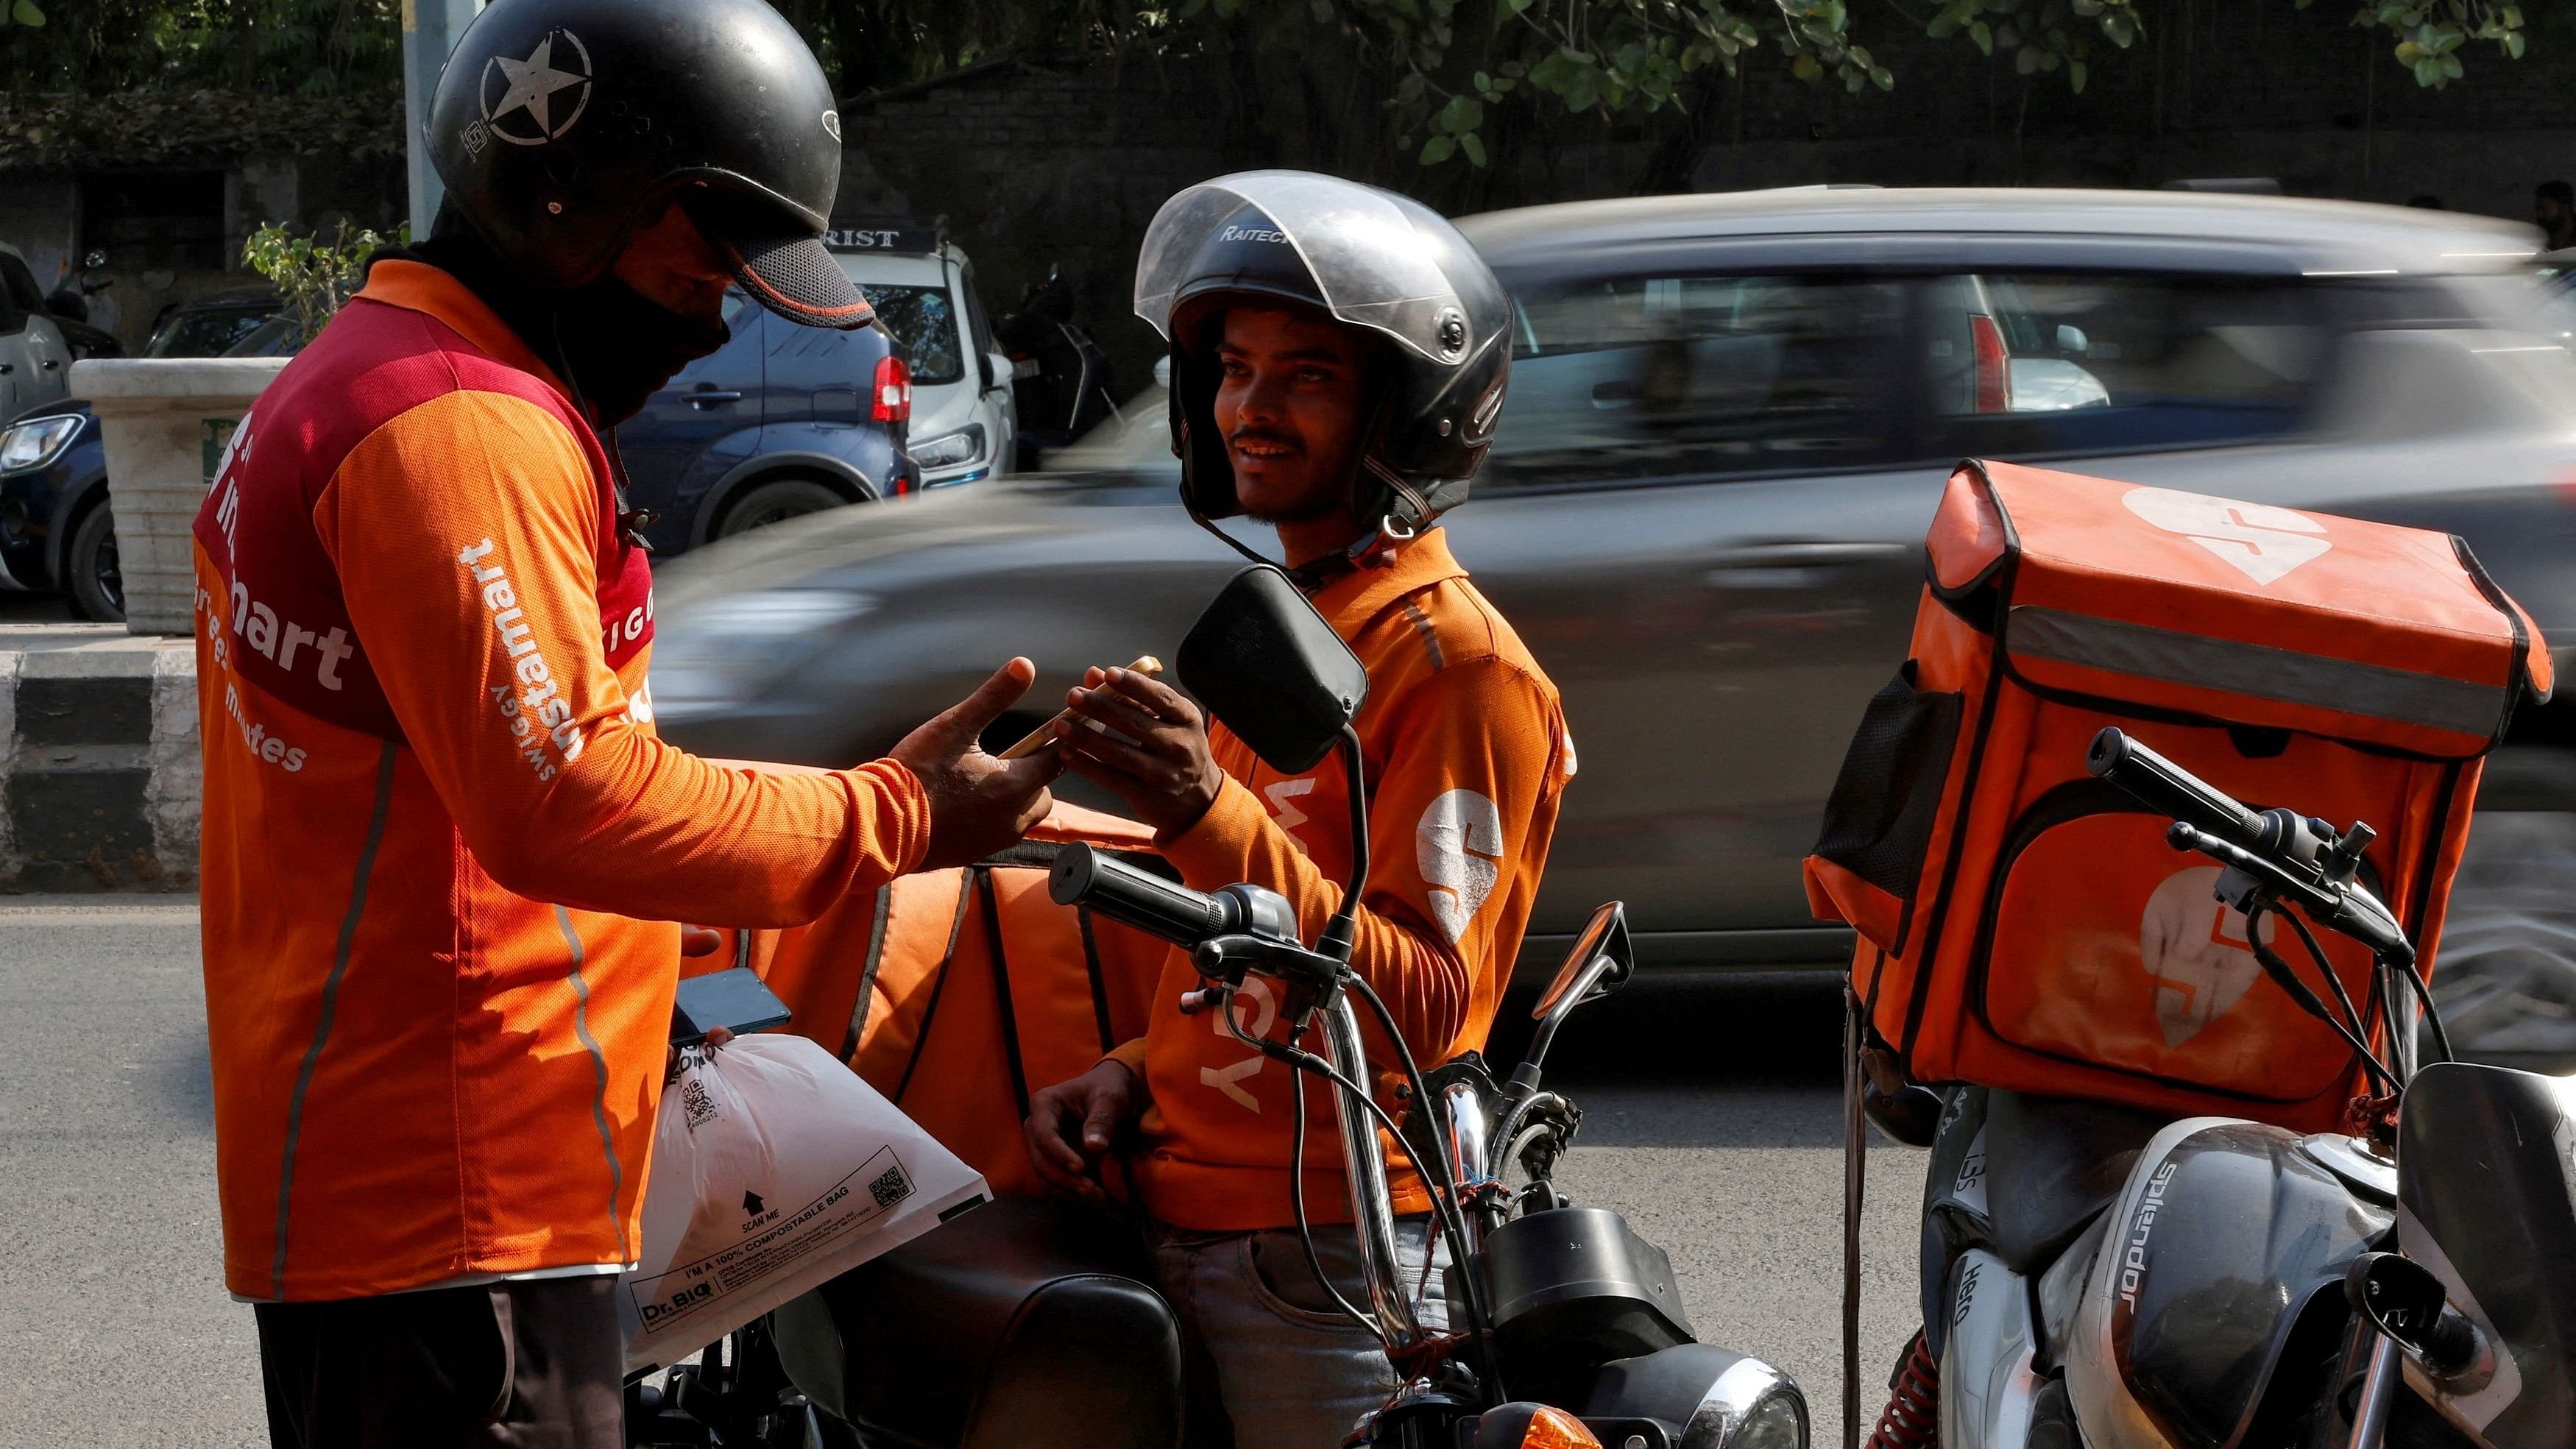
(1466, 756)
(441, 841)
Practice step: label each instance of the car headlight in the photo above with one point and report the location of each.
(37, 441)
(1751, 1406)
(951, 449)
(710, 658)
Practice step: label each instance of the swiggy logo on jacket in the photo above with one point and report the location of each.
(1458, 847)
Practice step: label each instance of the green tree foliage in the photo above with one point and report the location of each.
(300, 47)
(314, 276)
(1610, 57)
(1440, 75)
(2431, 33)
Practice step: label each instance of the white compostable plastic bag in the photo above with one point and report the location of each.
(774, 1169)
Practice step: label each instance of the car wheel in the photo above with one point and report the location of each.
(776, 501)
(91, 583)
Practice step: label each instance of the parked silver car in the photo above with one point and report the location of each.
(1730, 417)
(35, 361)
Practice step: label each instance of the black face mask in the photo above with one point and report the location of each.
(613, 347)
(617, 348)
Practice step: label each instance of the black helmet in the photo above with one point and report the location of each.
(1369, 258)
(561, 125)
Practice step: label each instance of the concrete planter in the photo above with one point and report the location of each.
(164, 422)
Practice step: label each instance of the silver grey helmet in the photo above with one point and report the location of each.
(1368, 258)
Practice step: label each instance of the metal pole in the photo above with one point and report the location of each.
(1363, 1161)
(2378, 1393)
(430, 32)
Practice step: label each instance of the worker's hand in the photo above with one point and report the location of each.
(978, 804)
(1072, 1125)
(1135, 735)
(698, 941)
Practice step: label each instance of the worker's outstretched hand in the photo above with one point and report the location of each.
(978, 804)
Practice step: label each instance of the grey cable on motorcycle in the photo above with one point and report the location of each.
(2288, 980)
(1306, 1061)
(1444, 1194)
(2414, 983)
(1305, 1228)
(2334, 983)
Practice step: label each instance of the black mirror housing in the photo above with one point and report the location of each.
(1605, 935)
(1264, 662)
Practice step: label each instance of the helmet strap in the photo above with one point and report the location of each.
(1229, 540)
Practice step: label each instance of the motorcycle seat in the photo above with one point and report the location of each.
(1023, 1324)
(2052, 1166)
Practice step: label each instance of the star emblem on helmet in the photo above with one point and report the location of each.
(535, 86)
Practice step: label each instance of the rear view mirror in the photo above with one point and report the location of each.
(1264, 662)
(1601, 962)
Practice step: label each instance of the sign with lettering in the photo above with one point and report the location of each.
(920, 239)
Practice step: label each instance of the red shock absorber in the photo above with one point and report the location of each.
(1913, 1416)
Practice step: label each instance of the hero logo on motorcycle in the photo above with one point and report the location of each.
(2197, 953)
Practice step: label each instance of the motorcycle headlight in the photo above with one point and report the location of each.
(1751, 1406)
(948, 450)
(1778, 1422)
(714, 657)
(37, 441)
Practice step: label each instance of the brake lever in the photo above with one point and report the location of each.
(2346, 907)
(1229, 958)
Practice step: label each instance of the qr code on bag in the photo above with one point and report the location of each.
(890, 1186)
(695, 1101)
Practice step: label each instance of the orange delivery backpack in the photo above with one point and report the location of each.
(957, 993)
(2025, 926)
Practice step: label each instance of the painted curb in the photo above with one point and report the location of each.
(100, 780)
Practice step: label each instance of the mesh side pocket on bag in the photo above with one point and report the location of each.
(1878, 820)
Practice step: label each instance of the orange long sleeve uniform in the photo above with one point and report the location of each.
(441, 841)
(1466, 754)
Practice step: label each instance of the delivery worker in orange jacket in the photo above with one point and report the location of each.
(1338, 362)
(442, 843)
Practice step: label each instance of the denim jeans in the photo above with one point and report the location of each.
(1294, 1370)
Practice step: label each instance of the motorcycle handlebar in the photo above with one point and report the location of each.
(2172, 790)
(1136, 897)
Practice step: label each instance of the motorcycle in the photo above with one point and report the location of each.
(1060, 377)
(2099, 1277)
(71, 301)
(1027, 1323)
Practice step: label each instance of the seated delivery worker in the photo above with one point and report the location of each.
(441, 840)
(1338, 361)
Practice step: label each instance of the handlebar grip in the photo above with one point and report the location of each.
(2172, 790)
(1136, 897)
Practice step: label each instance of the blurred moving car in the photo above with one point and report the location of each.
(1730, 417)
(740, 438)
(964, 425)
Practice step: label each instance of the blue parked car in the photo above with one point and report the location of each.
(781, 421)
